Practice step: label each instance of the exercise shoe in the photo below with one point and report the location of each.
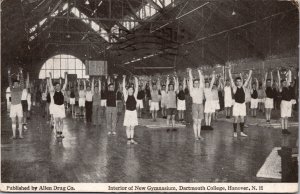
(285, 132)
(205, 127)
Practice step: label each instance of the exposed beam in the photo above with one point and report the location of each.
(132, 11)
(239, 26)
(109, 8)
(195, 9)
(153, 67)
(162, 2)
(122, 27)
(178, 17)
(79, 32)
(157, 7)
(112, 19)
(72, 43)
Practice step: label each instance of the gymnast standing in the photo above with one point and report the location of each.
(130, 118)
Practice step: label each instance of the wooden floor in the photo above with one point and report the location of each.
(87, 154)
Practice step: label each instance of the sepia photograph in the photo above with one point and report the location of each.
(149, 96)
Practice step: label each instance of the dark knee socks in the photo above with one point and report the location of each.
(234, 127)
(242, 127)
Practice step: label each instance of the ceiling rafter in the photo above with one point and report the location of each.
(155, 5)
(132, 11)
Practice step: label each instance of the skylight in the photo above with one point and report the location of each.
(145, 12)
(158, 2)
(83, 17)
(149, 11)
(43, 21)
(54, 13)
(128, 24)
(96, 27)
(168, 2)
(76, 12)
(32, 37)
(103, 34)
(33, 29)
(65, 6)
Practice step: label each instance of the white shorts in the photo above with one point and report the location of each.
(163, 103)
(16, 110)
(239, 109)
(72, 101)
(254, 103)
(227, 102)
(103, 103)
(209, 106)
(260, 100)
(285, 108)
(139, 104)
(154, 106)
(51, 108)
(130, 118)
(269, 103)
(181, 105)
(216, 104)
(81, 102)
(29, 105)
(59, 111)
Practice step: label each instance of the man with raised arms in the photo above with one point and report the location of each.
(239, 107)
(196, 88)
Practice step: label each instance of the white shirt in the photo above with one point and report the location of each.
(197, 95)
(28, 98)
(81, 94)
(208, 94)
(8, 93)
(89, 96)
(227, 92)
(24, 94)
(163, 95)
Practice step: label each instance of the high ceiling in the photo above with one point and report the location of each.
(146, 35)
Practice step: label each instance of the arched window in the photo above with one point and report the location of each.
(59, 64)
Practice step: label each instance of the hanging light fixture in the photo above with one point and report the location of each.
(87, 2)
(233, 13)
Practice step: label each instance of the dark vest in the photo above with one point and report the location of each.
(131, 103)
(48, 98)
(239, 95)
(111, 98)
(181, 95)
(269, 92)
(58, 98)
(141, 95)
(72, 95)
(286, 94)
(103, 95)
(119, 95)
(254, 95)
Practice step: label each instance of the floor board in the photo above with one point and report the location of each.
(87, 154)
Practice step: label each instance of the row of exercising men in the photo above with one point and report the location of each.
(199, 90)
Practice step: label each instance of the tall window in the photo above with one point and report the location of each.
(59, 64)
